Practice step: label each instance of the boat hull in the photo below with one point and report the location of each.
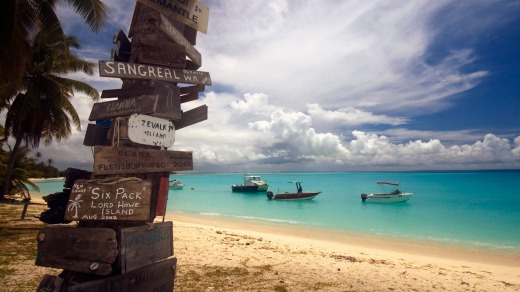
(386, 198)
(176, 187)
(244, 188)
(292, 196)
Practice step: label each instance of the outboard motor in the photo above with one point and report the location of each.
(270, 195)
(364, 197)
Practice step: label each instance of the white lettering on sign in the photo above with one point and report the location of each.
(150, 130)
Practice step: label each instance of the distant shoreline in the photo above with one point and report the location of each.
(46, 179)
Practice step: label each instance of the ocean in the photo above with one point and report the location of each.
(475, 209)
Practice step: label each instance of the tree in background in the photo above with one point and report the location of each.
(20, 20)
(41, 108)
(20, 174)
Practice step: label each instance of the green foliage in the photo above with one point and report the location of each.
(20, 174)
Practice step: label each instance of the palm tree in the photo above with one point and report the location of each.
(49, 161)
(38, 155)
(20, 20)
(20, 174)
(42, 107)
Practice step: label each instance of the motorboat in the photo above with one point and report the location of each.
(252, 184)
(176, 185)
(389, 194)
(299, 195)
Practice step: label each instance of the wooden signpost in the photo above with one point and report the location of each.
(144, 245)
(150, 130)
(159, 276)
(119, 160)
(120, 201)
(142, 71)
(116, 245)
(192, 13)
(87, 250)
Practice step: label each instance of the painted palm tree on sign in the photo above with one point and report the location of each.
(21, 19)
(41, 108)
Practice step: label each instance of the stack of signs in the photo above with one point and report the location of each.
(116, 240)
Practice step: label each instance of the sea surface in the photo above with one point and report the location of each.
(476, 209)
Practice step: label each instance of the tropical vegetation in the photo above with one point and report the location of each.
(35, 56)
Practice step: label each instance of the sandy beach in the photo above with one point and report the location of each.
(216, 254)
(266, 257)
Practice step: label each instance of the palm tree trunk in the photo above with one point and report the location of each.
(10, 166)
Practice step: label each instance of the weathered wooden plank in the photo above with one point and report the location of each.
(189, 97)
(143, 104)
(50, 283)
(169, 104)
(143, 71)
(192, 116)
(162, 197)
(191, 89)
(95, 135)
(122, 51)
(86, 250)
(192, 13)
(152, 278)
(115, 160)
(169, 29)
(165, 54)
(148, 130)
(127, 92)
(120, 200)
(190, 34)
(144, 245)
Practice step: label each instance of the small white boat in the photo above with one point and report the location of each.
(176, 185)
(390, 194)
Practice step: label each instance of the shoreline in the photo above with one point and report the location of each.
(356, 240)
(371, 244)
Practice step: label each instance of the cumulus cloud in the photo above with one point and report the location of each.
(302, 85)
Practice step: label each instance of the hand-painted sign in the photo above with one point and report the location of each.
(123, 107)
(115, 160)
(190, 12)
(144, 245)
(166, 54)
(142, 71)
(86, 250)
(148, 130)
(124, 200)
(170, 30)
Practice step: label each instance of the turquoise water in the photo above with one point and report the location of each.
(478, 209)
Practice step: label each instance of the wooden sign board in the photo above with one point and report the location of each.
(169, 29)
(192, 13)
(120, 201)
(86, 250)
(143, 71)
(152, 278)
(127, 92)
(122, 51)
(95, 135)
(162, 198)
(192, 116)
(143, 104)
(148, 130)
(144, 245)
(169, 105)
(165, 54)
(191, 89)
(116, 160)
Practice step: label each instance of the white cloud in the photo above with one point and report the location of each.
(296, 82)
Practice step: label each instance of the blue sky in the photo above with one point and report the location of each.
(340, 85)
